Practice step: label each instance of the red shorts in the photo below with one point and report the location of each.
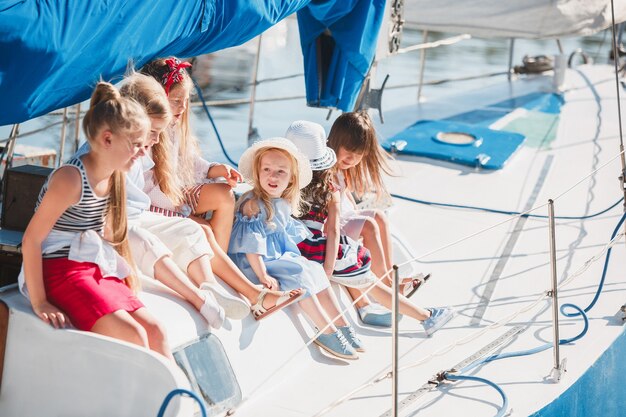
(80, 291)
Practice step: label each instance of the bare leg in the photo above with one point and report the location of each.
(167, 272)
(377, 239)
(218, 198)
(385, 237)
(124, 326)
(329, 303)
(372, 241)
(200, 270)
(313, 310)
(226, 269)
(383, 294)
(157, 338)
(356, 293)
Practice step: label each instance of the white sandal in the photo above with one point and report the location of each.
(259, 312)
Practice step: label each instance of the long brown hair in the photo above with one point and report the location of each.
(188, 148)
(319, 192)
(291, 193)
(122, 116)
(149, 93)
(355, 132)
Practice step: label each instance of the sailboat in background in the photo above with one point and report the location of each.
(481, 229)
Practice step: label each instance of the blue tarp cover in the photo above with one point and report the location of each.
(353, 26)
(53, 52)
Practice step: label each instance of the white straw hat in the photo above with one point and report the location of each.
(310, 139)
(247, 159)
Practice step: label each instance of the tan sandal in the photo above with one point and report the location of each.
(259, 312)
(411, 285)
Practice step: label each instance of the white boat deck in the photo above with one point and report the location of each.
(486, 275)
(464, 277)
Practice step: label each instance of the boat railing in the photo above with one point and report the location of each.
(391, 371)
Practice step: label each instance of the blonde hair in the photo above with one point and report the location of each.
(355, 132)
(149, 93)
(188, 148)
(121, 115)
(291, 193)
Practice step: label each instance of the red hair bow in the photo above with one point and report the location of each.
(175, 74)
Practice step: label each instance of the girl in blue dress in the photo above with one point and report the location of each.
(264, 239)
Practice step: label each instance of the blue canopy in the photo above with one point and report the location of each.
(53, 52)
(339, 43)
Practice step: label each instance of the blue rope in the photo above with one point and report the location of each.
(511, 213)
(538, 348)
(505, 400)
(217, 133)
(181, 392)
(604, 270)
(579, 312)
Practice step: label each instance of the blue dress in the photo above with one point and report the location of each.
(277, 243)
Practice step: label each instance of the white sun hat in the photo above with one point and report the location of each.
(310, 139)
(247, 159)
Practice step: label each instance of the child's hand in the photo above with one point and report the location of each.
(231, 175)
(51, 315)
(269, 282)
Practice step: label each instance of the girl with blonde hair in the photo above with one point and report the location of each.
(75, 263)
(176, 164)
(193, 190)
(344, 260)
(265, 238)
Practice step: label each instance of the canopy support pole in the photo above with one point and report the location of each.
(422, 66)
(511, 49)
(252, 132)
(395, 298)
(63, 130)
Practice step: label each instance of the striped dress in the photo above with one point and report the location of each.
(353, 259)
(80, 288)
(87, 214)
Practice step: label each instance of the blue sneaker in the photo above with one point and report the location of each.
(376, 315)
(336, 344)
(438, 317)
(352, 338)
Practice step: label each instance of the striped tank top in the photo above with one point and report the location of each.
(87, 214)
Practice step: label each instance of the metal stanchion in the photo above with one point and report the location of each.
(559, 367)
(394, 341)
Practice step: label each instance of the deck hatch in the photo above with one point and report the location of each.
(210, 374)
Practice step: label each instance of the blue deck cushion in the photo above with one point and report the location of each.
(491, 149)
(549, 103)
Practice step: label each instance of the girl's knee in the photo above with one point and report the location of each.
(134, 333)
(155, 331)
(220, 193)
(381, 217)
(370, 227)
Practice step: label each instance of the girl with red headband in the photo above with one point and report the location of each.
(194, 191)
(172, 187)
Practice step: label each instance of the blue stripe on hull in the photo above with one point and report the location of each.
(599, 392)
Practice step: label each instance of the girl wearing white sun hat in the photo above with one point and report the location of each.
(264, 238)
(345, 261)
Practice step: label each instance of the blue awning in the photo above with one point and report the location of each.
(53, 52)
(339, 44)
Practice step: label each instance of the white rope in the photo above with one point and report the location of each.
(473, 336)
(388, 273)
